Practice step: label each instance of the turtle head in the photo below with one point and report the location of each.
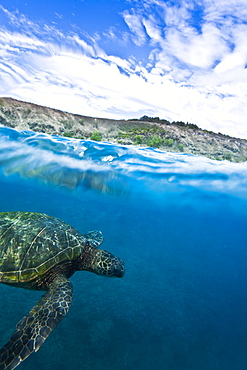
(106, 264)
(100, 262)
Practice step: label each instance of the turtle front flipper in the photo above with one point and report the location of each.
(35, 327)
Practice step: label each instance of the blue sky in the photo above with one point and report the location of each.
(179, 60)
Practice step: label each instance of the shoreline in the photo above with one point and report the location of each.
(161, 134)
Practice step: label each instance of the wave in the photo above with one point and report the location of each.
(111, 168)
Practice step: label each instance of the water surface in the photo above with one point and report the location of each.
(179, 223)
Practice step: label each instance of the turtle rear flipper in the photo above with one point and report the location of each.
(35, 327)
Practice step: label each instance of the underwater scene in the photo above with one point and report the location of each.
(179, 223)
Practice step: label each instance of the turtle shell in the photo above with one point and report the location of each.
(33, 243)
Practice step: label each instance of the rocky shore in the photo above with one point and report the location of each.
(174, 137)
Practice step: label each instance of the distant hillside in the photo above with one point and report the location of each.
(147, 131)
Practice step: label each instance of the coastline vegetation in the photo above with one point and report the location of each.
(96, 136)
(181, 124)
(155, 137)
(148, 131)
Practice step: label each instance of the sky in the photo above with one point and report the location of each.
(181, 60)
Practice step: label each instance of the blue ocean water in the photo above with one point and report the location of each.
(179, 223)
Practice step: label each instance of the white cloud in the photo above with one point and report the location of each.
(195, 49)
(191, 75)
(175, 16)
(153, 30)
(135, 24)
(238, 56)
(17, 40)
(220, 10)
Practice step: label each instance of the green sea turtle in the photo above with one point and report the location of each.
(41, 252)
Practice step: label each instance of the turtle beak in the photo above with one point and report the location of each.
(118, 269)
